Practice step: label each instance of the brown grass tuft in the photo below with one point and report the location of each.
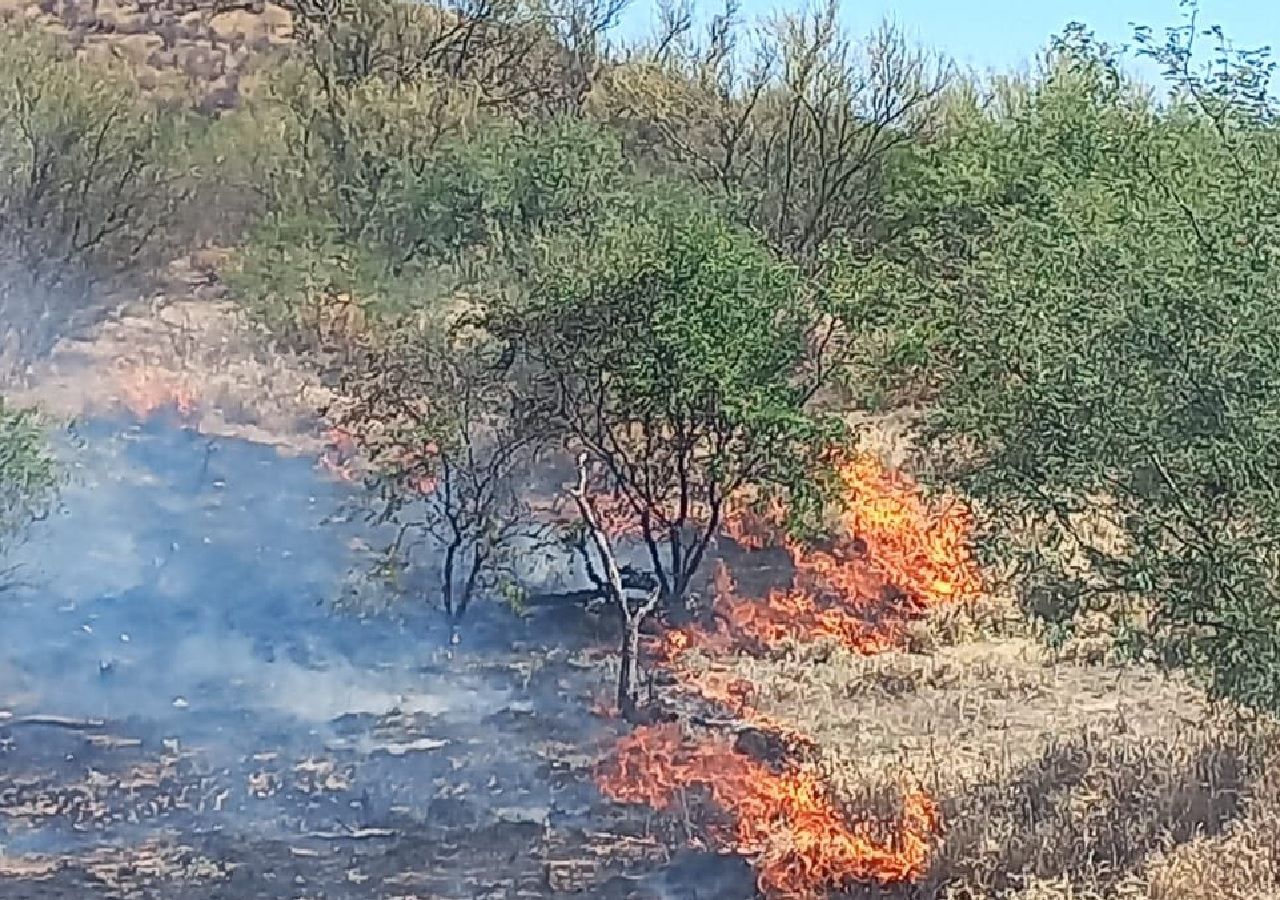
(1058, 780)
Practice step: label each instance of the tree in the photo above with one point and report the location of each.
(445, 221)
(433, 426)
(378, 88)
(597, 546)
(89, 178)
(679, 355)
(1086, 280)
(28, 474)
(796, 130)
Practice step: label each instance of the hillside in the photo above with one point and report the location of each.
(921, 539)
(201, 51)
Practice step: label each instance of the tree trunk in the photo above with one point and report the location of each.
(450, 562)
(627, 673)
(614, 586)
(632, 621)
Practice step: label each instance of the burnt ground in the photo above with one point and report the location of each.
(391, 806)
(152, 834)
(192, 706)
(499, 862)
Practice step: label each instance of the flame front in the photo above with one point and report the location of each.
(144, 389)
(347, 458)
(803, 844)
(895, 557)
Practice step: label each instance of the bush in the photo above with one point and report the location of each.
(89, 179)
(677, 352)
(460, 217)
(28, 475)
(1089, 281)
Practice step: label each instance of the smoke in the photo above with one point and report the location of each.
(184, 591)
(184, 568)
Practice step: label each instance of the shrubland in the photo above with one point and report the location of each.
(507, 242)
(1086, 277)
(28, 475)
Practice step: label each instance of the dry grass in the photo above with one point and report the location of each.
(1057, 779)
(1061, 776)
(184, 344)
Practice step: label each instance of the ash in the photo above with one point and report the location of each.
(173, 668)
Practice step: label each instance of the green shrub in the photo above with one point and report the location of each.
(91, 175)
(1089, 282)
(28, 474)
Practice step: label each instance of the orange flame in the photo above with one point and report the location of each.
(803, 844)
(147, 389)
(895, 556)
(346, 458)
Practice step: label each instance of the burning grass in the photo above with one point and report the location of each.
(987, 768)
(189, 352)
(1053, 779)
(984, 769)
(802, 841)
(1042, 770)
(893, 557)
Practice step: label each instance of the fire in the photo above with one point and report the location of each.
(146, 389)
(348, 457)
(921, 548)
(803, 844)
(339, 454)
(895, 556)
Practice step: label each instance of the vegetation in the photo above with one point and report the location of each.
(672, 252)
(673, 269)
(679, 355)
(91, 175)
(439, 433)
(1086, 276)
(28, 475)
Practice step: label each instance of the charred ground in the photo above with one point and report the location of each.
(199, 700)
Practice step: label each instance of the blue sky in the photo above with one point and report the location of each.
(1006, 33)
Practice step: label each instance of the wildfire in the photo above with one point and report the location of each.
(146, 389)
(339, 454)
(347, 457)
(803, 843)
(894, 557)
